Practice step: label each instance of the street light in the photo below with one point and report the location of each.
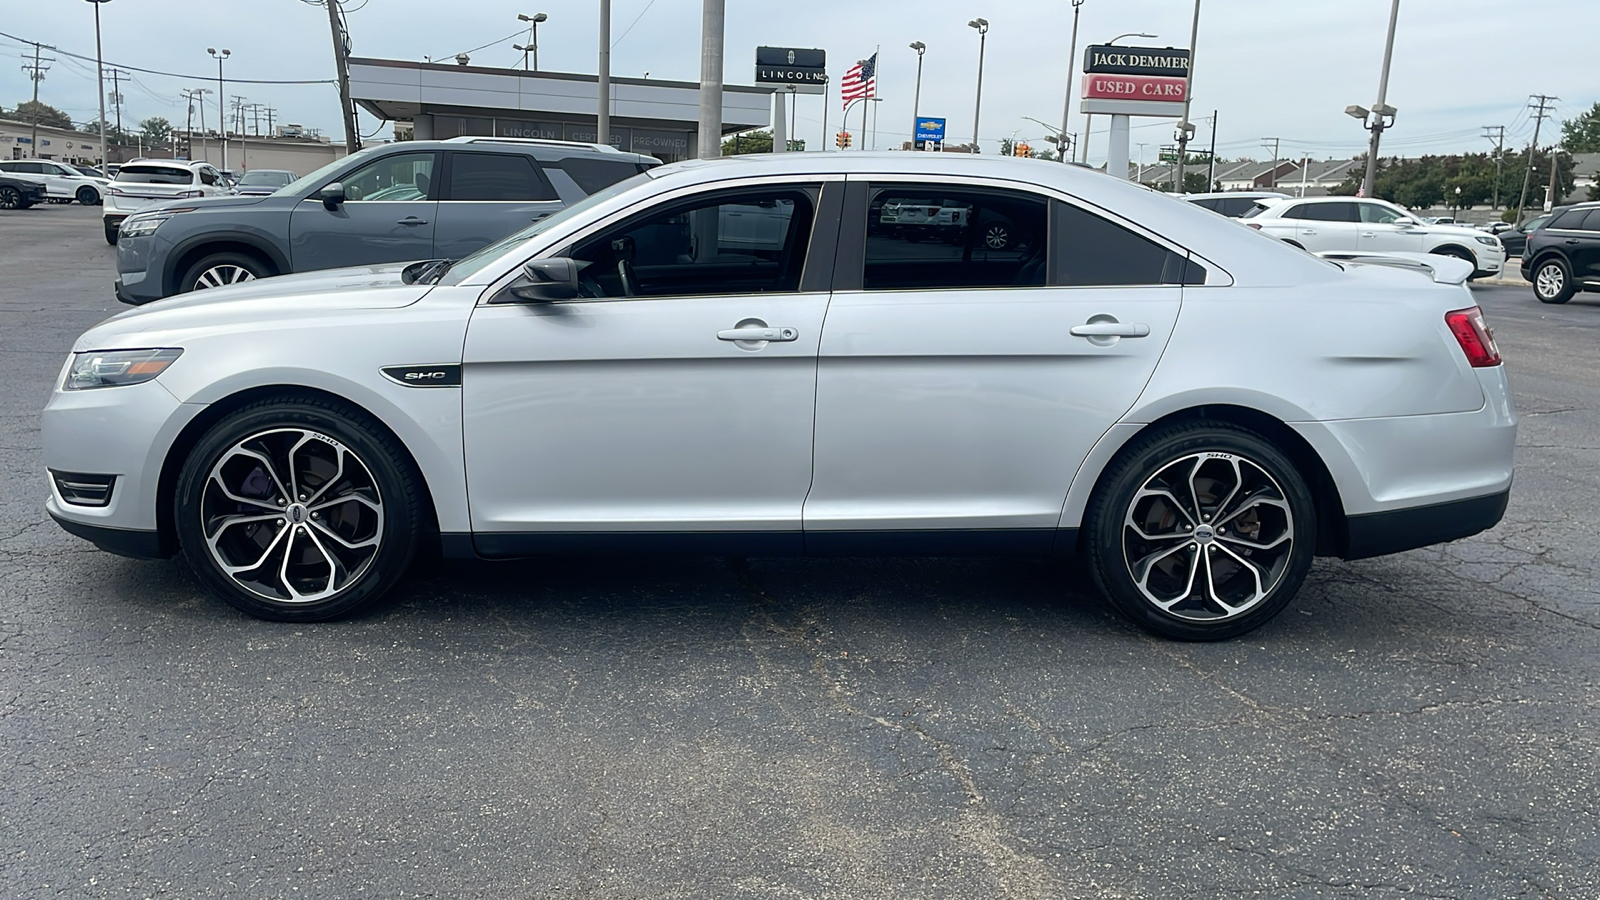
(977, 103)
(1060, 138)
(1137, 34)
(222, 107)
(916, 98)
(1072, 66)
(1382, 115)
(100, 84)
(533, 39)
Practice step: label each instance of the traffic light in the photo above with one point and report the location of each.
(1022, 150)
(842, 139)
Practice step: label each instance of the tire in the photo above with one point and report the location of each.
(1463, 255)
(996, 236)
(1178, 574)
(297, 561)
(1295, 244)
(111, 234)
(11, 198)
(1552, 281)
(220, 269)
(88, 196)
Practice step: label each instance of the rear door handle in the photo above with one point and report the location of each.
(412, 220)
(1111, 329)
(756, 333)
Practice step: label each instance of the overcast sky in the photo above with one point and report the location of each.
(1284, 68)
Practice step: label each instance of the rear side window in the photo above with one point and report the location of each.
(941, 236)
(1092, 251)
(1256, 209)
(1571, 219)
(1591, 222)
(146, 174)
(496, 176)
(1234, 206)
(1211, 203)
(592, 175)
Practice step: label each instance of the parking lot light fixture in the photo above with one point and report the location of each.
(977, 103)
(100, 82)
(533, 39)
(222, 106)
(916, 96)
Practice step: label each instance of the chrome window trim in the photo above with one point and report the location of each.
(673, 195)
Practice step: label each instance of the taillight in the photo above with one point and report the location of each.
(1255, 225)
(1475, 338)
(187, 194)
(115, 190)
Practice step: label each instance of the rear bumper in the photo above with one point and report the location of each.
(1377, 534)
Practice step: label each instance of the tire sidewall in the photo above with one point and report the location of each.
(249, 263)
(1128, 473)
(382, 458)
(1560, 266)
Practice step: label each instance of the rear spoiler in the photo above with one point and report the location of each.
(1442, 269)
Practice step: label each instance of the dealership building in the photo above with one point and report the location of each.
(650, 116)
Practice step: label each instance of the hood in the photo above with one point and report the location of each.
(240, 306)
(204, 203)
(1457, 231)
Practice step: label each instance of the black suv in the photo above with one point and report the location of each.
(1563, 257)
(393, 203)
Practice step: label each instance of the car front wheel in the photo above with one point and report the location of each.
(88, 196)
(1201, 531)
(10, 198)
(297, 510)
(220, 270)
(1552, 282)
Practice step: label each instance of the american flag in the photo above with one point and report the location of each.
(861, 81)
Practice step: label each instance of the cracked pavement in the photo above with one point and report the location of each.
(1421, 725)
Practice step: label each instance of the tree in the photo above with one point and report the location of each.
(754, 142)
(155, 130)
(113, 135)
(1581, 134)
(34, 112)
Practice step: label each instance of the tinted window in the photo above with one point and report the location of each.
(149, 174)
(1234, 206)
(403, 176)
(941, 236)
(1212, 203)
(1572, 218)
(1256, 209)
(594, 174)
(1324, 212)
(1377, 213)
(1094, 251)
(745, 242)
(1591, 222)
(494, 176)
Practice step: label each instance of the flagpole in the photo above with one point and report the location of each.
(876, 71)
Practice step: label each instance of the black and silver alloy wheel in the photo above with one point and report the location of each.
(1200, 531)
(291, 515)
(10, 197)
(1208, 536)
(996, 236)
(222, 274)
(1551, 283)
(298, 510)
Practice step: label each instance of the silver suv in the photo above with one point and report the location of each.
(393, 203)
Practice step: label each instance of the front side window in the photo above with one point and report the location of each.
(945, 236)
(1378, 214)
(403, 176)
(208, 175)
(496, 176)
(743, 242)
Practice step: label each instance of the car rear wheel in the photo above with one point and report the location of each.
(10, 198)
(88, 196)
(1201, 531)
(1552, 282)
(996, 236)
(297, 510)
(220, 270)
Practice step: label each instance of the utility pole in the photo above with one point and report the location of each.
(270, 132)
(36, 73)
(1185, 127)
(341, 49)
(1541, 108)
(1550, 192)
(116, 95)
(1275, 142)
(1211, 166)
(713, 17)
(188, 129)
(100, 79)
(1499, 151)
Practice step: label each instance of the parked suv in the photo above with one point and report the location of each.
(1232, 204)
(1348, 224)
(393, 203)
(20, 191)
(151, 182)
(1563, 257)
(62, 183)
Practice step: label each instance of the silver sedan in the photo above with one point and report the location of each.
(743, 357)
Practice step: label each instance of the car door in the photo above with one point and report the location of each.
(387, 215)
(486, 197)
(1324, 226)
(1582, 245)
(1383, 232)
(959, 386)
(675, 395)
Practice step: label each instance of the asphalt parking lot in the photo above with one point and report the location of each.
(1417, 725)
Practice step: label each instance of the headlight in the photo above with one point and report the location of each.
(1491, 241)
(112, 368)
(141, 224)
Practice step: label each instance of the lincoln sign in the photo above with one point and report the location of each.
(791, 65)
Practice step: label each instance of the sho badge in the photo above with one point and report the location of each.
(448, 375)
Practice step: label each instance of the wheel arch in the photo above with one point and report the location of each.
(1331, 523)
(1450, 250)
(216, 411)
(189, 252)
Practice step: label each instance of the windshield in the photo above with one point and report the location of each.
(315, 179)
(470, 264)
(266, 178)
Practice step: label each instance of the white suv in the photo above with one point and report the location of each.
(149, 182)
(1358, 225)
(62, 183)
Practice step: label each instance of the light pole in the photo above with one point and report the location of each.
(1058, 137)
(916, 97)
(1138, 177)
(222, 107)
(533, 39)
(1374, 118)
(100, 82)
(1072, 66)
(977, 104)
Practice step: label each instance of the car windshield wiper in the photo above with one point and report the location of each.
(435, 271)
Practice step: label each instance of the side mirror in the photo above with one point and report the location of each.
(332, 195)
(1405, 220)
(544, 280)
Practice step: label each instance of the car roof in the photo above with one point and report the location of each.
(1236, 195)
(539, 148)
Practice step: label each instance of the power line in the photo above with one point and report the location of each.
(176, 74)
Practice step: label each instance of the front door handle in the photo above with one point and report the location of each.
(758, 333)
(1308, 231)
(1571, 241)
(412, 220)
(1111, 329)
